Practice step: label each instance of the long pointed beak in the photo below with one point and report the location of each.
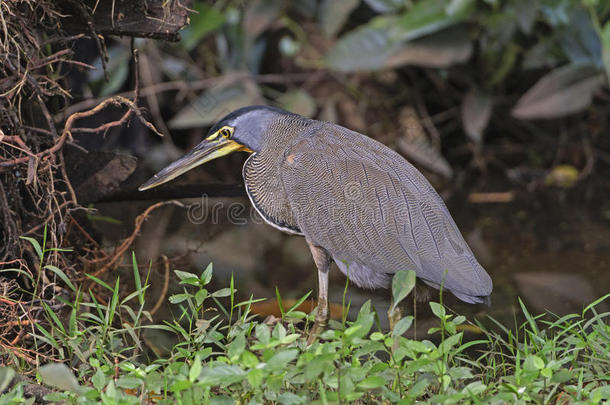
(202, 153)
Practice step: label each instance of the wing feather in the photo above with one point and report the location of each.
(372, 209)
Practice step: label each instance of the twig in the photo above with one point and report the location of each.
(68, 128)
(122, 248)
(161, 299)
(194, 85)
(24, 322)
(62, 168)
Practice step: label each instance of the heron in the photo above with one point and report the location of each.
(356, 202)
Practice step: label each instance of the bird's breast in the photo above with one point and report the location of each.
(266, 191)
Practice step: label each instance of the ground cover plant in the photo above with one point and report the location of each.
(224, 354)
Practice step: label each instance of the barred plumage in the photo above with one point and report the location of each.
(354, 200)
(362, 202)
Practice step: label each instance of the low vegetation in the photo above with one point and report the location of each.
(224, 354)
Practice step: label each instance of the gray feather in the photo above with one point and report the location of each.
(363, 203)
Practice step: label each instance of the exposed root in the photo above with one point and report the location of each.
(120, 250)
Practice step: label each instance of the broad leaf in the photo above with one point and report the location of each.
(476, 112)
(439, 50)
(298, 101)
(58, 375)
(427, 17)
(260, 14)
(563, 91)
(204, 21)
(222, 374)
(402, 284)
(382, 41)
(6, 376)
(580, 40)
(213, 105)
(418, 148)
(385, 6)
(526, 11)
(333, 14)
(365, 48)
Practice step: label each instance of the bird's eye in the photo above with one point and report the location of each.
(225, 133)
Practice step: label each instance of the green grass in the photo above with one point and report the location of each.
(225, 355)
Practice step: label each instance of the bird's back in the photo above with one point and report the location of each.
(375, 213)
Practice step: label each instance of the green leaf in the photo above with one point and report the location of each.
(35, 245)
(286, 340)
(402, 326)
(206, 276)
(365, 48)
(475, 388)
(533, 363)
(117, 68)
(206, 20)
(600, 393)
(437, 309)
(402, 285)
(222, 374)
(213, 104)
(136, 278)
(200, 296)
(111, 311)
(438, 50)
(298, 101)
(333, 14)
(255, 377)
(248, 359)
(6, 376)
(370, 383)
(99, 380)
(178, 298)
(99, 282)
(281, 359)
(386, 6)
(530, 320)
(262, 333)
(562, 376)
(288, 398)
(236, 348)
(259, 15)
(58, 375)
(223, 292)
(195, 369)
(605, 37)
(447, 344)
(61, 275)
(579, 39)
(185, 275)
(128, 382)
(376, 336)
(429, 16)
(298, 303)
(179, 385)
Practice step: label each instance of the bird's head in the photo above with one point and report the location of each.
(242, 130)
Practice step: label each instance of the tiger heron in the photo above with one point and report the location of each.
(356, 202)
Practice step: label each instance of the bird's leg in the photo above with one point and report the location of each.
(323, 261)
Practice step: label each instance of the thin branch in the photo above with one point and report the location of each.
(122, 248)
